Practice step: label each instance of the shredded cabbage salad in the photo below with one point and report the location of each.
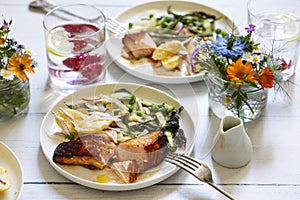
(121, 116)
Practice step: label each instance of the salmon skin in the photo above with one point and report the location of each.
(90, 151)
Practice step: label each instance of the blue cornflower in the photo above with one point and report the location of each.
(229, 47)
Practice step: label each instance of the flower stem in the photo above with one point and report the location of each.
(13, 110)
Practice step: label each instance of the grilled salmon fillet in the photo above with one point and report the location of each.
(139, 45)
(148, 150)
(90, 151)
(133, 156)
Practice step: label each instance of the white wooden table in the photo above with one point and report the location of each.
(273, 173)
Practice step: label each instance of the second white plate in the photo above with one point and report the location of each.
(9, 161)
(145, 71)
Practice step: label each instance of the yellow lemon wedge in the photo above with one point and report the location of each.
(57, 42)
(5, 182)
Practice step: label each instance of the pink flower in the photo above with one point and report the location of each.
(285, 65)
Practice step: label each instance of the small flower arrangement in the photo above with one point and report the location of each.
(15, 60)
(15, 64)
(239, 62)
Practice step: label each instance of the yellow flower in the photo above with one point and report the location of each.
(240, 72)
(266, 78)
(19, 64)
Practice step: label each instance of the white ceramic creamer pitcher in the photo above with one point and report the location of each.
(233, 148)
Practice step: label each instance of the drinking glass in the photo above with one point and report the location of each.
(278, 30)
(75, 48)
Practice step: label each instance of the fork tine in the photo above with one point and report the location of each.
(179, 164)
(114, 26)
(113, 29)
(187, 159)
(196, 168)
(183, 161)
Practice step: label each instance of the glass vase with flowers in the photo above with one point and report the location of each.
(15, 63)
(237, 73)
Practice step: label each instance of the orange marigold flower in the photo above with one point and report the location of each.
(19, 64)
(2, 40)
(241, 72)
(266, 78)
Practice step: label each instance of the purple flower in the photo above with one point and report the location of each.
(250, 28)
(6, 26)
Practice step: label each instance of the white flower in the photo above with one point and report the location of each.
(253, 58)
(6, 74)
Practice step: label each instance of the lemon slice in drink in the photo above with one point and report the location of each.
(5, 182)
(57, 42)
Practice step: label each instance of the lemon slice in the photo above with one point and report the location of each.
(294, 39)
(5, 182)
(57, 42)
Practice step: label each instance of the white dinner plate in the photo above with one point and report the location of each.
(9, 161)
(87, 177)
(144, 71)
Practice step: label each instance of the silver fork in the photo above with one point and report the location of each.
(197, 169)
(111, 24)
(115, 26)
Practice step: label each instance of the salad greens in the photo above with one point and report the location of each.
(196, 23)
(124, 114)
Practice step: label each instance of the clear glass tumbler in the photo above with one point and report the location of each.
(277, 29)
(222, 101)
(75, 45)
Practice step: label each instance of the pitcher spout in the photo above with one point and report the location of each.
(230, 122)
